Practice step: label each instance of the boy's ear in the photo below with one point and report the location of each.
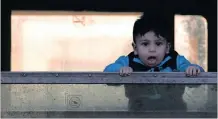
(168, 48)
(134, 48)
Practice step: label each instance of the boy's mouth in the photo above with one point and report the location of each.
(152, 60)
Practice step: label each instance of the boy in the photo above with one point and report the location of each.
(152, 53)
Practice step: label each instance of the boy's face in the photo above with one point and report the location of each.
(151, 48)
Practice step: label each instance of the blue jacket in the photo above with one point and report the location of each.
(182, 64)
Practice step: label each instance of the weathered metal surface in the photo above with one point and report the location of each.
(48, 100)
(103, 78)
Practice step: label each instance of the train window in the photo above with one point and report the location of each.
(85, 41)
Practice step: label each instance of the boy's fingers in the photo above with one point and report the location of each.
(194, 71)
(198, 71)
(125, 72)
(191, 71)
(129, 71)
(121, 72)
(187, 72)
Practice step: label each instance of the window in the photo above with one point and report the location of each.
(88, 41)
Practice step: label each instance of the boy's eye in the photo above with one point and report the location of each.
(145, 44)
(159, 43)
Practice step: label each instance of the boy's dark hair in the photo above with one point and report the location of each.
(160, 23)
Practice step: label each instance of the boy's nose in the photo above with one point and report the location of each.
(152, 49)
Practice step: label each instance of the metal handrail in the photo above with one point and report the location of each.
(105, 78)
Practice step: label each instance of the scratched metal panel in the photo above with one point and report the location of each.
(89, 97)
(83, 97)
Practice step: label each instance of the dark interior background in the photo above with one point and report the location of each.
(206, 8)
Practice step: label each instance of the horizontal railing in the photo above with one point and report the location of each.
(105, 78)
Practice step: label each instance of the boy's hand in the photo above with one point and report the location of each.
(192, 71)
(125, 71)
